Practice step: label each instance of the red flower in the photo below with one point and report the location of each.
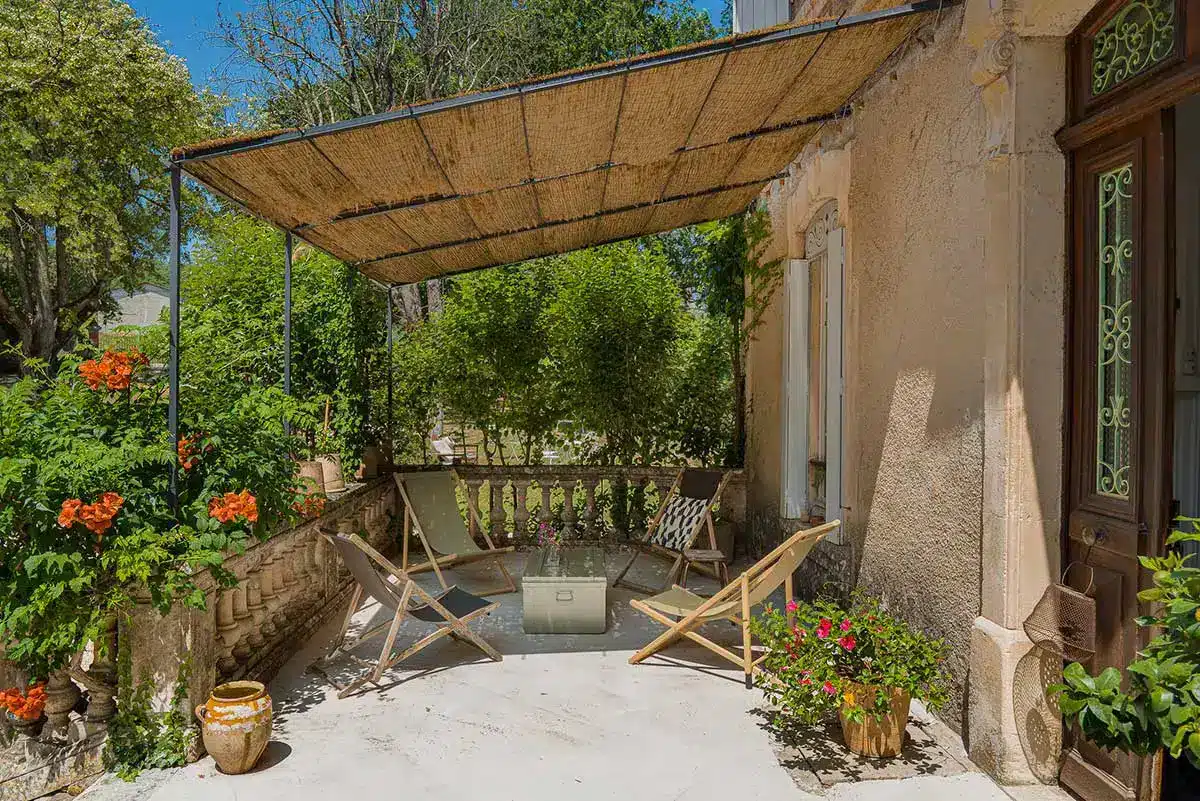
(232, 505)
(845, 625)
(27, 706)
(311, 506)
(805, 682)
(114, 370)
(70, 512)
(848, 642)
(828, 688)
(792, 606)
(824, 628)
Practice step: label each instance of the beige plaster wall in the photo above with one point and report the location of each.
(909, 182)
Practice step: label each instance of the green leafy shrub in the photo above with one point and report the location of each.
(85, 517)
(1159, 706)
(817, 651)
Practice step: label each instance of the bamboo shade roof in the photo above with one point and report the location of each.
(550, 165)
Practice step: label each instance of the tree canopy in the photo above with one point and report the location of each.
(89, 105)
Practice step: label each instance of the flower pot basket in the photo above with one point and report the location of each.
(331, 472)
(875, 736)
(312, 476)
(24, 726)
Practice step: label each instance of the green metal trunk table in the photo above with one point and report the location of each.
(565, 591)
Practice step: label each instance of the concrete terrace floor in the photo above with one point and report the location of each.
(562, 717)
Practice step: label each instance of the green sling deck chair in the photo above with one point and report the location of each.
(431, 509)
(396, 592)
(734, 602)
(683, 513)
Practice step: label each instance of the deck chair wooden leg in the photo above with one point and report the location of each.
(699, 639)
(624, 570)
(405, 536)
(674, 632)
(747, 655)
(355, 598)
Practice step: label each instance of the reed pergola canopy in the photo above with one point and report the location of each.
(551, 165)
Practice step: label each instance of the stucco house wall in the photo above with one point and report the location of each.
(908, 180)
(950, 188)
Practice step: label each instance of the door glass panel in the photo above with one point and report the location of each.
(1115, 363)
(1140, 35)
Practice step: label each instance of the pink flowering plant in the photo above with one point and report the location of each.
(548, 536)
(825, 656)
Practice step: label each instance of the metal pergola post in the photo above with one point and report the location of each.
(175, 245)
(287, 320)
(390, 385)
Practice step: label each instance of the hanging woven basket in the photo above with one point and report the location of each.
(1064, 619)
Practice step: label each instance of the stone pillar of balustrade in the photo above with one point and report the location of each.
(496, 514)
(568, 516)
(591, 525)
(521, 510)
(545, 512)
(473, 514)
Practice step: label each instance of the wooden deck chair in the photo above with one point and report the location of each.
(431, 508)
(686, 509)
(732, 603)
(449, 612)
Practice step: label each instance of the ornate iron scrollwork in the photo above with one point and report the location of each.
(1139, 36)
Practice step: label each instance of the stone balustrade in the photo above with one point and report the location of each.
(80, 700)
(577, 499)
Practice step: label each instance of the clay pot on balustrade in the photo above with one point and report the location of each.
(312, 476)
(24, 726)
(235, 725)
(372, 462)
(331, 471)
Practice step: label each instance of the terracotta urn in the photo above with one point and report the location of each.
(881, 737)
(372, 461)
(25, 726)
(312, 475)
(331, 471)
(235, 725)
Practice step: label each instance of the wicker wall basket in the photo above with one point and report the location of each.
(1064, 619)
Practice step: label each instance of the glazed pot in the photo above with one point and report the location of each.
(312, 476)
(881, 737)
(235, 725)
(331, 471)
(28, 728)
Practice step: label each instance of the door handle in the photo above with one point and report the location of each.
(1091, 536)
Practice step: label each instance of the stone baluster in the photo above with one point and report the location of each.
(568, 516)
(245, 622)
(102, 702)
(545, 513)
(267, 594)
(61, 696)
(257, 609)
(473, 485)
(226, 633)
(279, 614)
(496, 508)
(521, 512)
(590, 525)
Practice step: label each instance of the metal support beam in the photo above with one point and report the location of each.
(287, 320)
(175, 245)
(390, 384)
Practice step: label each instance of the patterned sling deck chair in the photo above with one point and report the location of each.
(683, 612)
(395, 591)
(431, 509)
(684, 512)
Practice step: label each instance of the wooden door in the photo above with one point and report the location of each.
(1119, 381)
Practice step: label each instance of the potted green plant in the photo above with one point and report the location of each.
(1154, 704)
(854, 659)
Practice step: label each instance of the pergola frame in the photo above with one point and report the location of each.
(195, 155)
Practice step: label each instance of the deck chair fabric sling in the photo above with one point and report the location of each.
(683, 612)
(449, 612)
(684, 513)
(431, 509)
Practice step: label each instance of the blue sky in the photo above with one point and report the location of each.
(184, 28)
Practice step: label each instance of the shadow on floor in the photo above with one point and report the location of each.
(818, 750)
